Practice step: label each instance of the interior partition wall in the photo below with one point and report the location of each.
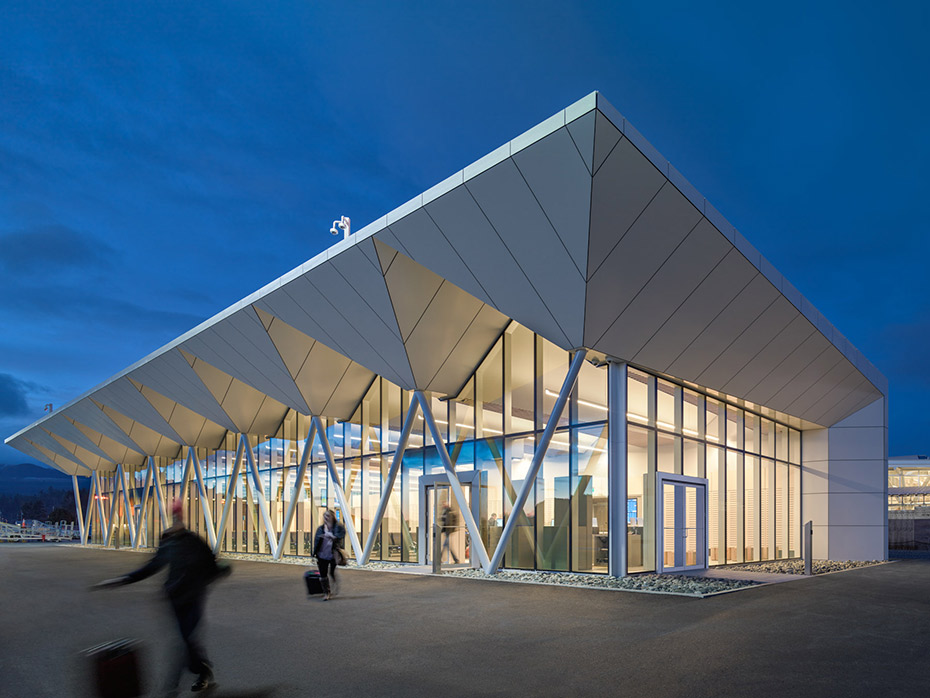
(493, 426)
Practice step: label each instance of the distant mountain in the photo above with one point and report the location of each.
(26, 478)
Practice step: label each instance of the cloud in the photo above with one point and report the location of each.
(13, 392)
(51, 249)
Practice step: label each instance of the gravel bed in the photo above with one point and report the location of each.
(661, 583)
(797, 566)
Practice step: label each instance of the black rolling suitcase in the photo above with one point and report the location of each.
(115, 669)
(314, 583)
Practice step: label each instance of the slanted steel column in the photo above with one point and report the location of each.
(111, 521)
(88, 516)
(340, 493)
(538, 457)
(230, 494)
(130, 518)
(202, 492)
(387, 487)
(77, 506)
(616, 469)
(143, 506)
(101, 512)
(159, 493)
(298, 485)
(477, 545)
(258, 492)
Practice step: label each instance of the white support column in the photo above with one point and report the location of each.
(616, 469)
(111, 521)
(185, 478)
(77, 506)
(477, 545)
(230, 495)
(143, 506)
(130, 518)
(88, 516)
(298, 484)
(159, 493)
(258, 492)
(538, 457)
(387, 487)
(340, 493)
(202, 492)
(102, 521)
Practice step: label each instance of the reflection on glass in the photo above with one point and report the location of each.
(589, 500)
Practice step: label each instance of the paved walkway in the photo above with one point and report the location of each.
(859, 633)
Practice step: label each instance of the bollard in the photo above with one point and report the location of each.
(809, 548)
(437, 549)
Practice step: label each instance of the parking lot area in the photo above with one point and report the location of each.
(857, 633)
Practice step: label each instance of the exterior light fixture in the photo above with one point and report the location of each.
(343, 224)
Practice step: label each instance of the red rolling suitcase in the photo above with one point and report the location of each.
(115, 669)
(314, 583)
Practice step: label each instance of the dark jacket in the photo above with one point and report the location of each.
(191, 565)
(339, 538)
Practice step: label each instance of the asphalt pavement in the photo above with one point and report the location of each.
(858, 633)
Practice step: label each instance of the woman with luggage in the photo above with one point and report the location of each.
(328, 542)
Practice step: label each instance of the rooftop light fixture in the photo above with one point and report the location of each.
(343, 224)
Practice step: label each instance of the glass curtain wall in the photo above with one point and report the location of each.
(752, 465)
(493, 425)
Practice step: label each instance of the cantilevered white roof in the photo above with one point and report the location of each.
(578, 229)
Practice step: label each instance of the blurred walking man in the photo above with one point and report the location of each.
(191, 568)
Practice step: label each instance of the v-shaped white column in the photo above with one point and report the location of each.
(298, 485)
(230, 493)
(388, 487)
(194, 462)
(557, 409)
(474, 532)
(258, 493)
(340, 493)
(77, 506)
(102, 520)
(88, 515)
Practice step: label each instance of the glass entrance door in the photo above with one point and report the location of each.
(683, 526)
(443, 513)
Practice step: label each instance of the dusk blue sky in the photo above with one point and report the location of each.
(159, 161)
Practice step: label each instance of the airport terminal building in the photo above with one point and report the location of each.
(564, 344)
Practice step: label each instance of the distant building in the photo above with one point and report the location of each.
(909, 483)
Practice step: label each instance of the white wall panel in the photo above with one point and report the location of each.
(622, 188)
(763, 363)
(512, 209)
(561, 185)
(435, 336)
(690, 263)
(385, 361)
(88, 414)
(809, 375)
(59, 425)
(359, 291)
(789, 368)
(647, 245)
(747, 345)
(427, 246)
(606, 137)
(581, 131)
(717, 290)
(123, 397)
(463, 360)
(732, 320)
(468, 230)
(171, 375)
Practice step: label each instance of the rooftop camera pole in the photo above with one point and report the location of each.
(343, 224)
